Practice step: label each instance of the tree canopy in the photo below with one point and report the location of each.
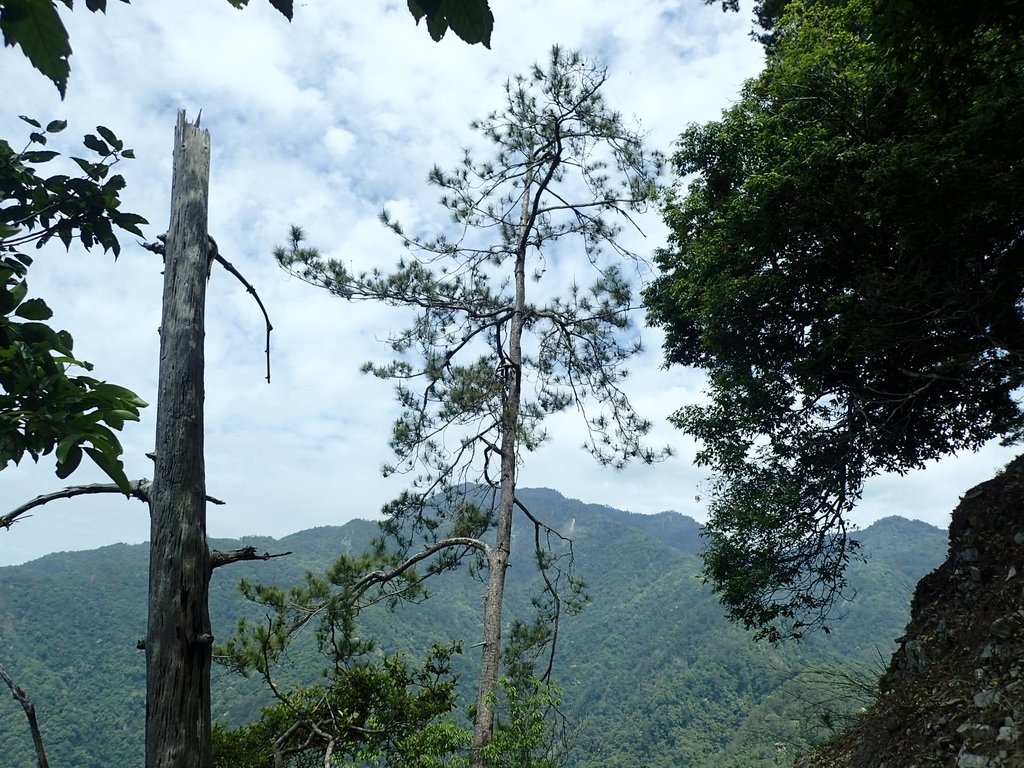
(848, 266)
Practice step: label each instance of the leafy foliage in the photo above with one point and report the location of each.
(848, 266)
(767, 14)
(382, 713)
(36, 27)
(471, 20)
(525, 737)
(44, 408)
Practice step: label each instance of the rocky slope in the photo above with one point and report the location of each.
(954, 691)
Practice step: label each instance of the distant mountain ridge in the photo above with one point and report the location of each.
(653, 673)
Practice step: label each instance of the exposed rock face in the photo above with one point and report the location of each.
(954, 691)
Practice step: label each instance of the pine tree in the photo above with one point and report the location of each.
(494, 349)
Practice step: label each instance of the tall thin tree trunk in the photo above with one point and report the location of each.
(178, 640)
(490, 662)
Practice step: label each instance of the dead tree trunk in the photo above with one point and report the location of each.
(179, 638)
(30, 713)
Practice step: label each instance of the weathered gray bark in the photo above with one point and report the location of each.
(30, 714)
(178, 640)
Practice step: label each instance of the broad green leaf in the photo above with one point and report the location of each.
(56, 126)
(66, 467)
(110, 138)
(113, 421)
(39, 156)
(35, 333)
(471, 20)
(36, 26)
(284, 6)
(34, 309)
(66, 233)
(121, 393)
(8, 302)
(97, 145)
(421, 8)
(113, 467)
(437, 26)
(129, 222)
(116, 184)
(88, 167)
(124, 415)
(65, 446)
(18, 293)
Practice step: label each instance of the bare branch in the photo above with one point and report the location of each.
(219, 558)
(214, 252)
(139, 489)
(549, 587)
(248, 287)
(30, 713)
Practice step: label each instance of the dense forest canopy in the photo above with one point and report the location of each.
(652, 674)
(848, 266)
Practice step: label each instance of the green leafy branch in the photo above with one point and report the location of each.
(43, 408)
(36, 27)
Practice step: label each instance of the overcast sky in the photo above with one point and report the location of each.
(322, 122)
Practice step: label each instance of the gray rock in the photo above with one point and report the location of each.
(969, 760)
(985, 698)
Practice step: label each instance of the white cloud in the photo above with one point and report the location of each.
(321, 123)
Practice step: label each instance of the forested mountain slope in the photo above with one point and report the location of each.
(653, 675)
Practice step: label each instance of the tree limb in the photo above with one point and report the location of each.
(383, 577)
(139, 489)
(215, 256)
(215, 253)
(30, 713)
(218, 558)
